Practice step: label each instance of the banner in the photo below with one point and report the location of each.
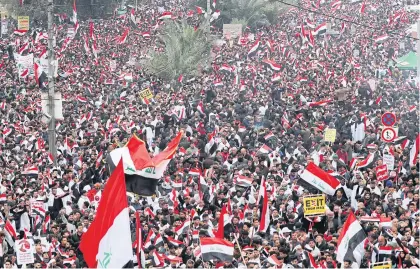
(36, 204)
(23, 23)
(43, 62)
(25, 62)
(232, 30)
(382, 265)
(330, 134)
(146, 93)
(389, 160)
(70, 32)
(24, 251)
(382, 172)
(314, 205)
(4, 24)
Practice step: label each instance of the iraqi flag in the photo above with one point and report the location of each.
(31, 171)
(265, 214)
(211, 146)
(183, 228)
(123, 37)
(273, 260)
(414, 152)
(40, 76)
(265, 149)
(218, 83)
(272, 65)
(320, 103)
(351, 241)
(269, 135)
(320, 29)
(381, 38)
(20, 32)
(367, 162)
(315, 177)
(133, 18)
(276, 78)
(165, 15)
(81, 99)
(107, 242)
(142, 173)
(243, 181)
(216, 249)
(255, 47)
(200, 108)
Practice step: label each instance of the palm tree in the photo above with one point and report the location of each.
(186, 52)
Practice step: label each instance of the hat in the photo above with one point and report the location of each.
(285, 230)
(248, 248)
(371, 146)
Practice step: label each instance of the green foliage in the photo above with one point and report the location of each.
(237, 21)
(186, 52)
(253, 13)
(37, 10)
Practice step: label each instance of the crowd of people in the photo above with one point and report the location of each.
(267, 101)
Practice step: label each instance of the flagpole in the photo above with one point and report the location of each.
(51, 87)
(240, 249)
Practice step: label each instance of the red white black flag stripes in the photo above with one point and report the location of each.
(351, 241)
(265, 214)
(216, 249)
(315, 177)
(107, 242)
(414, 152)
(40, 76)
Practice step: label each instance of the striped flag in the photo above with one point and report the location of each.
(414, 152)
(272, 65)
(243, 181)
(216, 249)
(350, 245)
(173, 241)
(254, 48)
(320, 29)
(165, 15)
(123, 37)
(381, 38)
(107, 242)
(265, 149)
(265, 214)
(183, 228)
(315, 177)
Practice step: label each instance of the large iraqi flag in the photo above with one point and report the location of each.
(315, 177)
(351, 241)
(216, 249)
(142, 172)
(107, 242)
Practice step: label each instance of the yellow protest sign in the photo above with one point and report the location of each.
(314, 205)
(23, 23)
(382, 265)
(330, 134)
(146, 93)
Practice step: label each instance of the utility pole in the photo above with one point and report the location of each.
(51, 84)
(418, 51)
(208, 15)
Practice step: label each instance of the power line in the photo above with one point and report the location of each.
(341, 19)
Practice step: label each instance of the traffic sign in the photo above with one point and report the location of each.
(389, 119)
(389, 134)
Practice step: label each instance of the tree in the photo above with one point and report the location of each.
(254, 13)
(37, 10)
(186, 52)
